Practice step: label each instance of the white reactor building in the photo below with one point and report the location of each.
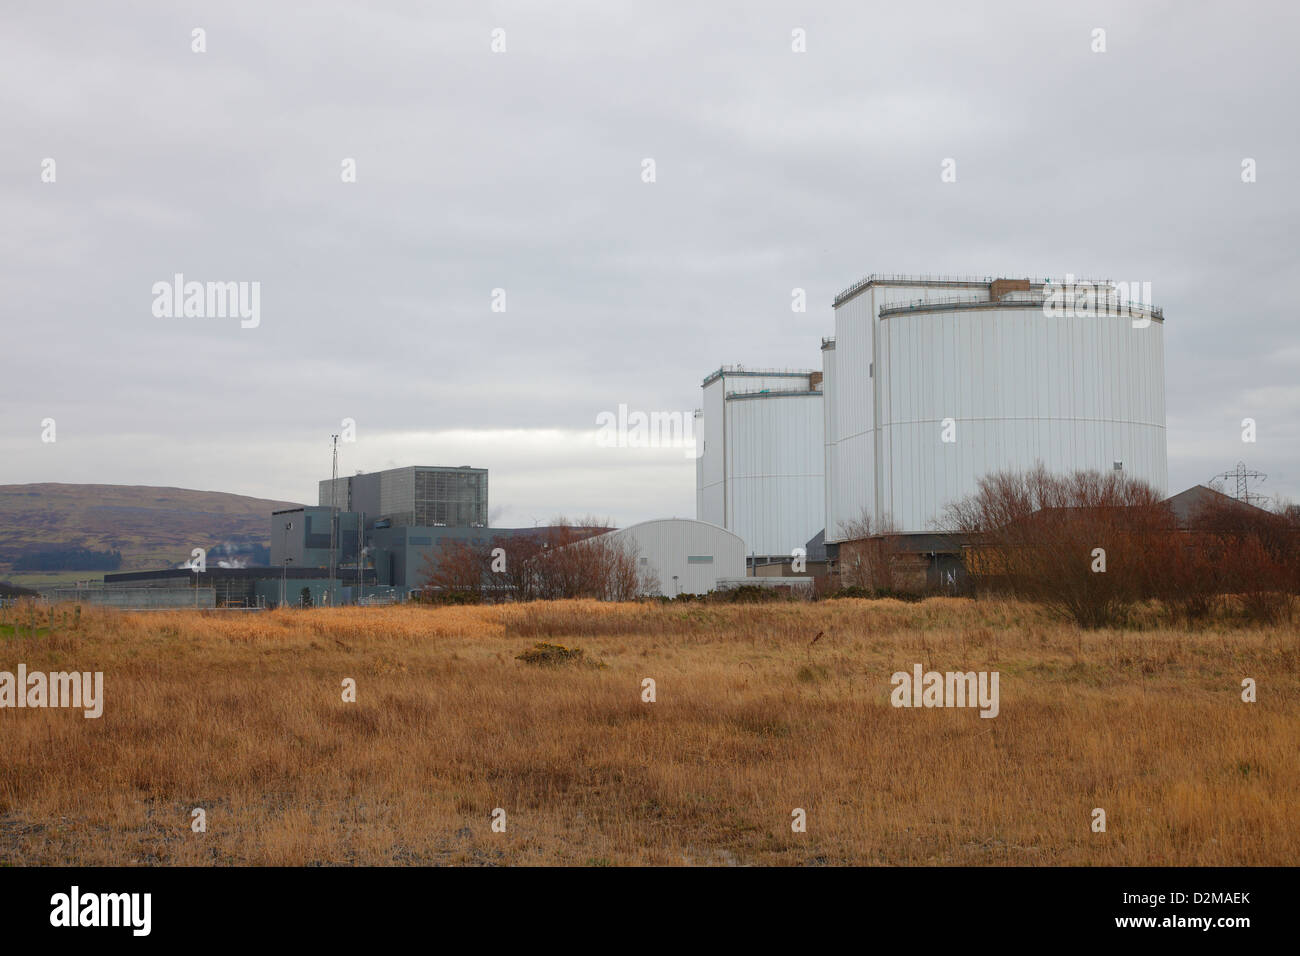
(929, 384)
(932, 383)
(759, 473)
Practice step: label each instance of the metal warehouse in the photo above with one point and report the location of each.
(686, 557)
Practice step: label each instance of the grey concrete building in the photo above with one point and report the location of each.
(406, 516)
(302, 535)
(418, 495)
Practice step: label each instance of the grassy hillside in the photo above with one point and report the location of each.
(151, 527)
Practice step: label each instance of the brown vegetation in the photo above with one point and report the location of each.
(1091, 546)
(868, 557)
(559, 561)
(241, 714)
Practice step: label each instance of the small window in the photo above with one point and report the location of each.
(699, 559)
(645, 560)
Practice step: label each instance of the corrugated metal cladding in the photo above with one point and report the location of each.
(710, 472)
(830, 423)
(696, 552)
(699, 462)
(762, 470)
(1021, 387)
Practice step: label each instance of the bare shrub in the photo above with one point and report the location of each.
(867, 554)
(1039, 536)
(551, 655)
(583, 561)
(457, 572)
(561, 560)
(1074, 543)
(1251, 552)
(518, 579)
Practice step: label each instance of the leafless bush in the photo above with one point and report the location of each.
(867, 554)
(1090, 544)
(1074, 543)
(459, 569)
(585, 562)
(1250, 552)
(561, 560)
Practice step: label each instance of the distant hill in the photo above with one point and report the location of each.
(62, 529)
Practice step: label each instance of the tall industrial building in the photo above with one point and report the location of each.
(423, 495)
(760, 468)
(389, 522)
(932, 383)
(929, 384)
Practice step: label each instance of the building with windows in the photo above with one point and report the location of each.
(418, 495)
(390, 524)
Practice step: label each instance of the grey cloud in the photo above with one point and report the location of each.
(521, 171)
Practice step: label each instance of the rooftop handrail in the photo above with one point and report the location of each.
(923, 277)
(773, 392)
(1020, 296)
(743, 370)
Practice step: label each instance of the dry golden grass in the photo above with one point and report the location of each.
(242, 715)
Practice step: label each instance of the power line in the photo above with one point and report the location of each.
(1244, 476)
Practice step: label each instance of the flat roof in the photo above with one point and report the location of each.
(1035, 301)
(956, 281)
(388, 471)
(729, 370)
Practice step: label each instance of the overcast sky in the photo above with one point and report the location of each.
(522, 170)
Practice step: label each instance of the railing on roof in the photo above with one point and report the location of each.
(1103, 305)
(937, 278)
(774, 393)
(941, 300)
(742, 370)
